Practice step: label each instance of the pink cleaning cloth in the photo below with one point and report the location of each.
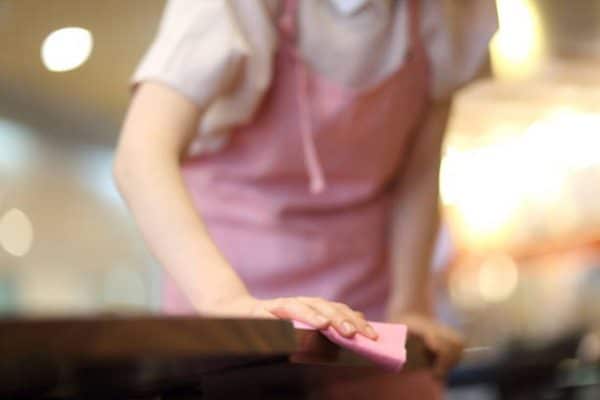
(388, 351)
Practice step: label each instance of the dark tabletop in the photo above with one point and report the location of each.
(176, 357)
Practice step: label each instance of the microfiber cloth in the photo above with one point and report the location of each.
(388, 351)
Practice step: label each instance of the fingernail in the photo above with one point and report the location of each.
(371, 332)
(348, 328)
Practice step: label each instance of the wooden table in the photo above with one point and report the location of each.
(174, 358)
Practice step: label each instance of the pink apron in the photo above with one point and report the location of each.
(299, 201)
(255, 196)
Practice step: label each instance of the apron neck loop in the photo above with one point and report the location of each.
(289, 27)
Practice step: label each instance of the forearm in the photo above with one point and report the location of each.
(415, 218)
(155, 134)
(154, 191)
(414, 225)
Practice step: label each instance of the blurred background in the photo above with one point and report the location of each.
(519, 251)
(69, 243)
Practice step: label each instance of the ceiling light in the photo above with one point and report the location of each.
(16, 232)
(66, 49)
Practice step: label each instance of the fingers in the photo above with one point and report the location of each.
(448, 347)
(347, 321)
(321, 313)
(448, 356)
(292, 308)
(445, 343)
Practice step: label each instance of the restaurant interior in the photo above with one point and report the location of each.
(517, 259)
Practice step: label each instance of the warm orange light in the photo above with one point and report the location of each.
(16, 233)
(517, 47)
(494, 190)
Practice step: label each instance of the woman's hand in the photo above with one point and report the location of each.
(313, 311)
(444, 342)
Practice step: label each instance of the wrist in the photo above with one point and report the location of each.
(219, 304)
(397, 309)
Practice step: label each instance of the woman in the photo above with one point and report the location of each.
(281, 157)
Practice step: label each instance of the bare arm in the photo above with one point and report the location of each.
(157, 129)
(416, 216)
(415, 223)
(159, 125)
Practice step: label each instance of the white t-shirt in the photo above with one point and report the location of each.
(219, 53)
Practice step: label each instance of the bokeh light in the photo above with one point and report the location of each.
(517, 47)
(523, 179)
(66, 49)
(54, 290)
(497, 278)
(94, 167)
(16, 233)
(16, 147)
(462, 287)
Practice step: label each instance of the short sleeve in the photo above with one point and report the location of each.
(207, 50)
(197, 51)
(457, 34)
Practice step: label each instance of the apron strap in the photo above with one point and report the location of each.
(289, 28)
